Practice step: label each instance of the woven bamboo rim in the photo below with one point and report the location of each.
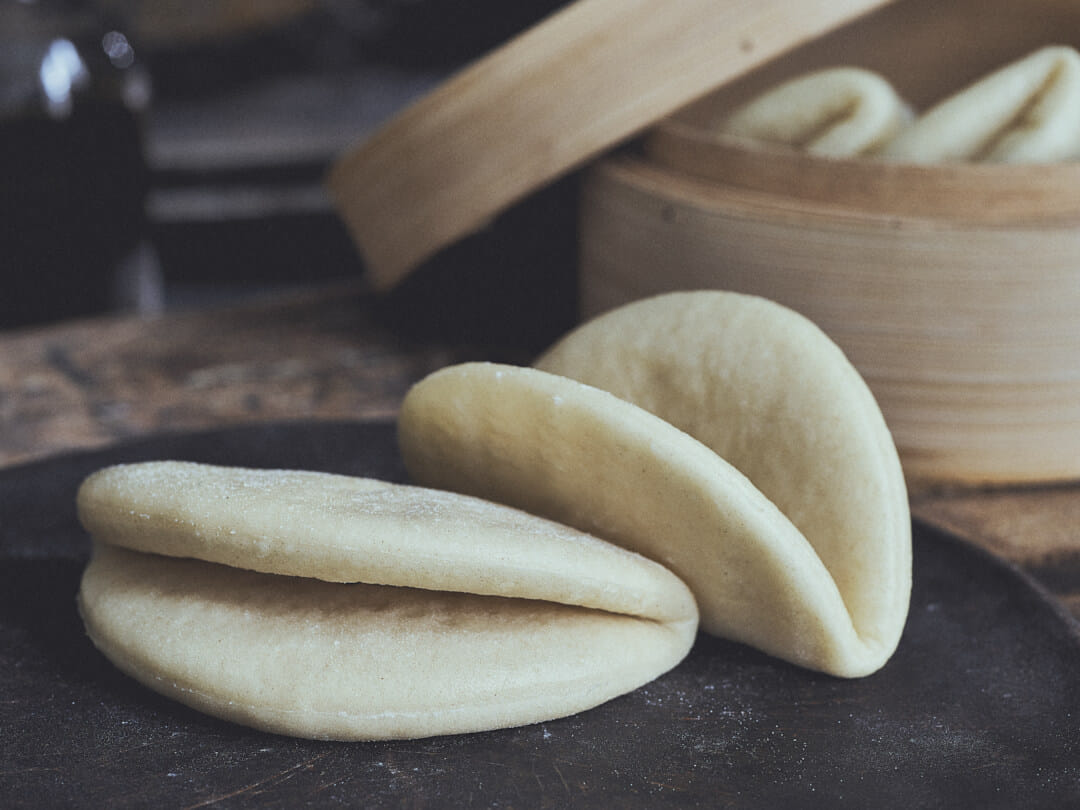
(960, 192)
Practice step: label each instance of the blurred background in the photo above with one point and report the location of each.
(163, 155)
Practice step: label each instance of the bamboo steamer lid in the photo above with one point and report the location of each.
(583, 80)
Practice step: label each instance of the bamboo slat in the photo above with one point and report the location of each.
(568, 89)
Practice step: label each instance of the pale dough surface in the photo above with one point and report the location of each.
(327, 660)
(336, 607)
(835, 112)
(739, 448)
(349, 529)
(1025, 112)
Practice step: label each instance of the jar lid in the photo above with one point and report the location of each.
(576, 84)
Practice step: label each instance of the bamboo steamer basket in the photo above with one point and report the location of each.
(954, 289)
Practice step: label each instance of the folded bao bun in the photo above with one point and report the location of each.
(1026, 112)
(836, 112)
(333, 607)
(722, 435)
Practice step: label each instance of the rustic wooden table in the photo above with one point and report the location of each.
(337, 353)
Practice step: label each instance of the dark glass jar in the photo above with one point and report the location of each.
(73, 178)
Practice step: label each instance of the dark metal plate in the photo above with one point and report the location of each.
(979, 707)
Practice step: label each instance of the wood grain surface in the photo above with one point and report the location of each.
(341, 352)
(86, 384)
